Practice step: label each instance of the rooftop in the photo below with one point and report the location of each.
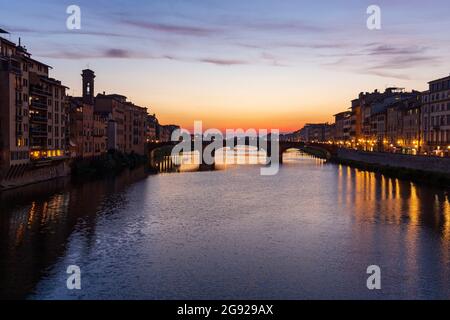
(441, 79)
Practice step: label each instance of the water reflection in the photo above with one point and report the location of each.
(228, 233)
(36, 223)
(223, 158)
(376, 198)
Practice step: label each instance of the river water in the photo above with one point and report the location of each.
(309, 232)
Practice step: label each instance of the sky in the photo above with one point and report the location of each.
(274, 64)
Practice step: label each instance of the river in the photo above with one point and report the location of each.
(310, 232)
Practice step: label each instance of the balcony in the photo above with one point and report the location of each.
(38, 105)
(38, 132)
(40, 119)
(12, 66)
(40, 91)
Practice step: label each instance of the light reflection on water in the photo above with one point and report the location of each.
(309, 232)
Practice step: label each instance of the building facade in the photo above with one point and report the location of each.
(33, 111)
(134, 128)
(151, 128)
(315, 132)
(435, 129)
(87, 128)
(343, 123)
(125, 123)
(165, 132)
(411, 123)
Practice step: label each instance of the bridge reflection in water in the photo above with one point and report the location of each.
(239, 155)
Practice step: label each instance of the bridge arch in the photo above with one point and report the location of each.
(266, 146)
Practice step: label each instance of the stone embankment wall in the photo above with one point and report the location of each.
(33, 175)
(423, 163)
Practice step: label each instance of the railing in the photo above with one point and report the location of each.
(40, 91)
(38, 105)
(38, 119)
(37, 132)
(13, 67)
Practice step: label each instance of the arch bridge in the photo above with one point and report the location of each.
(324, 150)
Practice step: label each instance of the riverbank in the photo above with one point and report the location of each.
(422, 169)
(108, 164)
(32, 173)
(317, 152)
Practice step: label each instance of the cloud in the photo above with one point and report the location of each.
(293, 44)
(117, 53)
(383, 59)
(175, 29)
(376, 49)
(385, 74)
(99, 53)
(222, 62)
(83, 32)
(406, 62)
(293, 26)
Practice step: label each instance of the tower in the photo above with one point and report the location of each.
(88, 86)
